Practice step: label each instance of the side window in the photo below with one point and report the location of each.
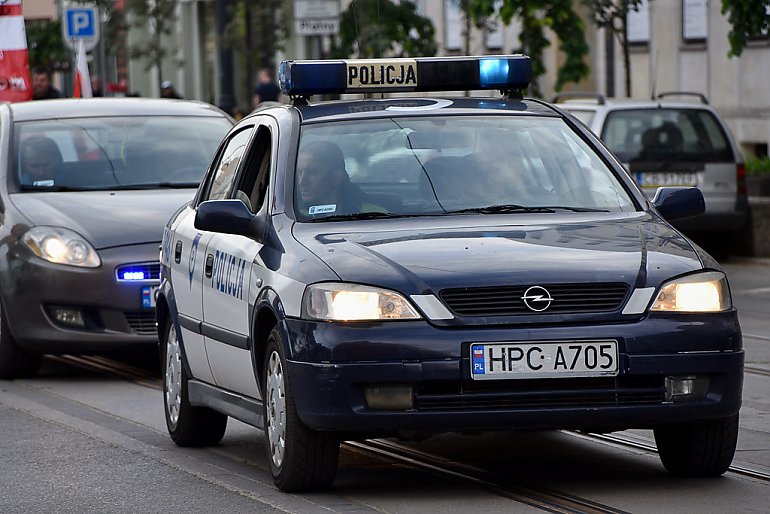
(252, 185)
(229, 159)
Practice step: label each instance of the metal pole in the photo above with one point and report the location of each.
(102, 54)
(226, 89)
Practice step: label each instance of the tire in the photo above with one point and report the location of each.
(301, 459)
(187, 425)
(703, 449)
(15, 362)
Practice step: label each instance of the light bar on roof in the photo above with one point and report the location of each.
(503, 72)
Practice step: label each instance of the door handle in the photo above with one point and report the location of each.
(178, 252)
(209, 264)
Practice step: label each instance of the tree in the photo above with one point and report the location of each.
(257, 31)
(46, 47)
(384, 28)
(157, 15)
(535, 17)
(747, 18)
(613, 16)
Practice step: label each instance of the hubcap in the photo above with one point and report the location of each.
(173, 380)
(276, 409)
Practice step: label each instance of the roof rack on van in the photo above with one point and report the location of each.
(684, 93)
(598, 97)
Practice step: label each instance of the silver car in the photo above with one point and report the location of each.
(85, 187)
(672, 143)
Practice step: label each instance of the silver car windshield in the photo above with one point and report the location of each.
(115, 152)
(450, 164)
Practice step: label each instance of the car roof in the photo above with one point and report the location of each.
(420, 106)
(587, 105)
(94, 107)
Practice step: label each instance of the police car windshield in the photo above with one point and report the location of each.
(136, 152)
(441, 165)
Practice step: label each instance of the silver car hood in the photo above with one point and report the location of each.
(105, 218)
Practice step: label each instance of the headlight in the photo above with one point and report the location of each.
(61, 246)
(353, 302)
(702, 292)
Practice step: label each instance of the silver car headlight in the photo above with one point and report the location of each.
(61, 246)
(702, 292)
(354, 302)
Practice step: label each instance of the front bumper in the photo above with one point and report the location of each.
(331, 365)
(114, 312)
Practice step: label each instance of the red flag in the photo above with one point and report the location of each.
(15, 84)
(82, 77)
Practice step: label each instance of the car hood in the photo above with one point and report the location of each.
(105, 218)
(417, 257)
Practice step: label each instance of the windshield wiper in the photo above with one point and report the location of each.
(502, 209)
(361, 216)
(574, 209)
(155, 185)
(48, 189)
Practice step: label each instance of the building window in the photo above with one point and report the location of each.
(638, 23)
(695, 21)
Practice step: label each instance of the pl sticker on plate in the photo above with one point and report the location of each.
(322, 209)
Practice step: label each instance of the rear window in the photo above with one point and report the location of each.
(643, 135)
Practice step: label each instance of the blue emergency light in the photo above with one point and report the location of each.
(130, 274)
(502, 72)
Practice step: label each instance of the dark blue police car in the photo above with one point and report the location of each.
(389, 266)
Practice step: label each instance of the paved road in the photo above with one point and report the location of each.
(80, 441)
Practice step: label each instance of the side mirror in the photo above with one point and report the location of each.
(675, 203)
(229, 217)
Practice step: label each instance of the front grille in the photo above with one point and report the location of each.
(507, 300)
(143, 323)
(564, 392)
(151, 270)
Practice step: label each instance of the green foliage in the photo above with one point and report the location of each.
(747, 18)
(158, 17)
(535, 17)
(613, 16)
(257, 30)
(383, 28)
(758, 166)
(45, 44)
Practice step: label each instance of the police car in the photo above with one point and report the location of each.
(392, 266)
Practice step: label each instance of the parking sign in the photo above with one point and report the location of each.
(80, 22)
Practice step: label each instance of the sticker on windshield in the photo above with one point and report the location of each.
(43, 183)
(322, 209)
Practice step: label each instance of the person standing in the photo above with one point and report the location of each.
(41, 84)
(96, 86)
(267, 90)
(167, 90)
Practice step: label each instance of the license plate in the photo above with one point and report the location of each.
(667, 178)
(148, 296)
(547, 359)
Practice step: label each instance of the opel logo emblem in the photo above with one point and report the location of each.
(537, 298)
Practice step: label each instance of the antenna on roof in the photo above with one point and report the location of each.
(654, 75)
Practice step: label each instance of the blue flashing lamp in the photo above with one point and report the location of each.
(131, 275)
(503, 72)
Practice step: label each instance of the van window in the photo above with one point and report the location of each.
(644, 135)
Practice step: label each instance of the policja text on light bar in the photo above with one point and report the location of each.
(503, 72)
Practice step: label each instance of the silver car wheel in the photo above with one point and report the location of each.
(173, 376)
(276, 409)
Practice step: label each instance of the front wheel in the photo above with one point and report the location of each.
(702, 449)
(15, 362)
(187, 425)
(301, 458)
